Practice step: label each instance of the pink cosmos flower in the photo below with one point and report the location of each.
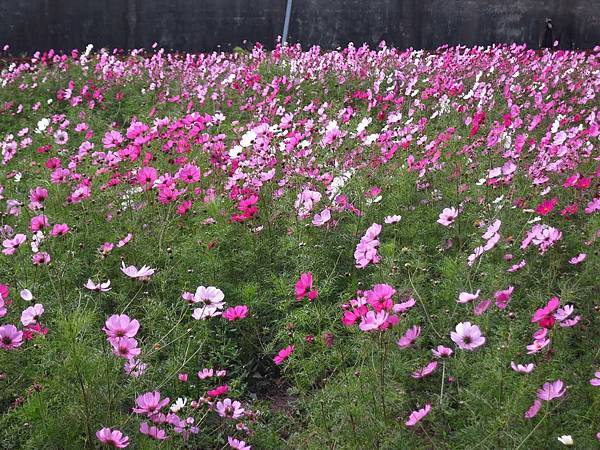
(595, 381)
(147, 176)
(10, 337)
(218, 391)
(210, 296)
(392, 219)
(366, 250)
(503, 297)
(546, 206)
(236, 313)
(120, 325)
(100, 287)
(189, 174)
(150, 403)
(442, 352)
(404, 306)
(125, 347)
(123, 242)
(112, 139)
(322, 218)
(11, 245)
(59, 229)
(425, 371)
(416, 416)
(534, 409)
(447, 216)
(230, 409)
(520, 368)
(373, 321)
(551, 390)
(481, 307)
(153, 432)
(142, 274)
(517, 266)
(467, 336)
(380, 297)
(304, 287)
(208, 311)
(112, 438)
(38, 223)
(134, 368)
(40, 258)
(283, 354)
(237, 444)
(537, 345)
(32, 314)
(409, 337)
(465, 297)
(577, 259)
(545, 315)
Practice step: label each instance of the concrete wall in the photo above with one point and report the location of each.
(206, 25)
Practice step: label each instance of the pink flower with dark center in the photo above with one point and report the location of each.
(425, 371)
(150, 403)
(416, 416)
(32, 314)
(230, 409)
(120, 325)
(409, 337)
(503, 297)
(146, 176)
(283, 354)
(10, 337)
(59, 229)
(112, 139)
(236, 313)
(442, 352)
(189, 174)
(38, 223)
(304, 287)
(380, 297)
(112, 438)
(467, 336)
(153, 432)
(11, 245)
(40, 258)
(125, 347)
(551, 390)
(448, 216)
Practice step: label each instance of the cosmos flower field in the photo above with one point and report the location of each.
(352, 249)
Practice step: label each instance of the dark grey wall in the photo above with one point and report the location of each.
(204, 25)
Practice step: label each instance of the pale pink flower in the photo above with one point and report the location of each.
(142, 274)
(404, 306)
(230, 409)
(150, 403)
(112, 438)
(417, 415)
(10, 337)
(527, 368)
(32, 314)
(237, 444)
(207, 311)
(551, 390)
(392, 219)
(134, 368)
(448, 216)
(577, 259)
(121, 325)
(537, 345)
(425, 371)
(442, 352)
(465, 297)
(409, 337)
(534, 409)
(11, 245)
(596, 380)
(322, 218)
(373, 321)
(481, 307)
(209, 296)
(153, 432)
(467, 336)
(125, 347)
(100, 287)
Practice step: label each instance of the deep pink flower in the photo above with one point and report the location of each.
(467, 336)
(380, 297)
(545, 207)
(218, 391)
(189, 174)
(417, 415)
(551, 390)
(38, 223)
(112, 438)
(236, 313)
(545, 315)
(283, 354)
(146, 176)
(304, 287)
(503, 297)
(10, 337)
(125, 347)
(59, 229)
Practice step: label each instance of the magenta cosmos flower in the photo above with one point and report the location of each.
(10, 337)
(467, 336)
(409, 337)
(304, 287)
(236, 313)
(150, 403)
(503, 297)
(230, 409)
(125, 347)
(283, 354)
(545, 315)
(416, 416)
(120, 325)
(112, 438)
(551, 390)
